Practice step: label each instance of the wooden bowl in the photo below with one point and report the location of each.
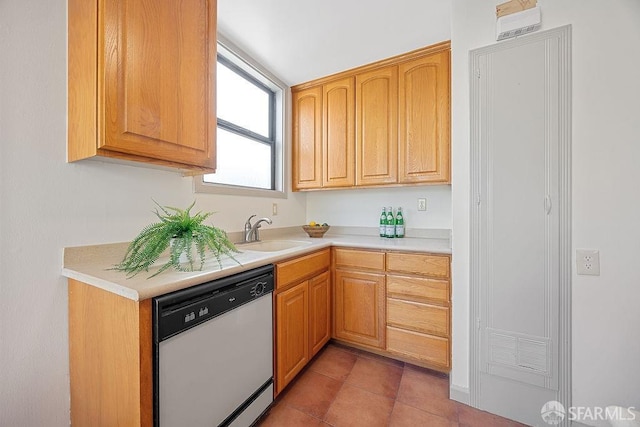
(316, 231)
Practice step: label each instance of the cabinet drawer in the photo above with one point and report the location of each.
(349, 258)
(426, 265)
(418, 289)
(300, 268)
(430, 319)
(422, 347)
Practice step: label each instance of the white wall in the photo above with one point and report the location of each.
(47, 204)
(305, 40)
(231, 212)
(606, 201)
(362, 208)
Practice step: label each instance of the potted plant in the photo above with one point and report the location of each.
(185, 235)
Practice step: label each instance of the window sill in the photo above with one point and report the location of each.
(208, 188)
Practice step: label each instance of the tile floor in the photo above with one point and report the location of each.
(347, 387)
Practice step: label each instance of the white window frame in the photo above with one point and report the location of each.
(239, 58)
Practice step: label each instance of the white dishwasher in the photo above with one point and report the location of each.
(213, 352)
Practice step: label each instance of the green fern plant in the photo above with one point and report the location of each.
(179, 231)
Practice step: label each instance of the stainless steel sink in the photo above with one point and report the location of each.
(272, 245)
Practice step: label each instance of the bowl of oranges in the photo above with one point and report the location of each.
(314, 229)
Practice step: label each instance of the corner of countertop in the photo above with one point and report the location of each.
(79, 255)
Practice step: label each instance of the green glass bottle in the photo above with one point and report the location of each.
(391, 224)
(399, 223)
(383, 223)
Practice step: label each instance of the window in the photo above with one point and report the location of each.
(250, 127)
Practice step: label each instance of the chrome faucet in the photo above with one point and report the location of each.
(251, 233)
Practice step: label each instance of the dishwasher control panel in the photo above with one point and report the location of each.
(184, 309)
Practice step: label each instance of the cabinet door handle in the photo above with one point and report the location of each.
(547, 204)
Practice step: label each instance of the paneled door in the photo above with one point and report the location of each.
(520, 257)
(423, 119)
(292, 317)
(158, 86)
(338, 145)
(360, 307)
(319, 312)
(307, 138)
(377, 126)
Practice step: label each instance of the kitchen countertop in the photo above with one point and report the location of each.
(90, 264)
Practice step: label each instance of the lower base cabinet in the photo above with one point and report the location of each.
(110, 358)
(394, 303)
(360, 308)
(302, 313)
(419, 308)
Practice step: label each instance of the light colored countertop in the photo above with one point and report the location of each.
(90, 264)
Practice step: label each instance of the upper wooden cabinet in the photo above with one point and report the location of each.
(377, 126)
(383, 124)
(307, 139)
(323, 135)
(423, 119)
(142, 82)
(337, 136)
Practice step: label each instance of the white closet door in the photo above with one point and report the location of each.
(520, 190)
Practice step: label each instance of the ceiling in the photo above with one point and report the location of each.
(300, 40)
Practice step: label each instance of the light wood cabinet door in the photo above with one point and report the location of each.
(338, 134)
(360, 308)
(319, 312)
(307, 138)
(292, 332)
(423, 119)
(137, 93)
(377, 126)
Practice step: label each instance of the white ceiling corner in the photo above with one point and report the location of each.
(300, 40)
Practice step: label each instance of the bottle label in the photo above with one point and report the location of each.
(391, 231)
(399, 230)
(383, 230)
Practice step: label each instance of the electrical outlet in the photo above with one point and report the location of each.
(274, 209)
(588, 262)
(422, 204)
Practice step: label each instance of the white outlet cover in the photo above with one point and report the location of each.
(588, 262)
